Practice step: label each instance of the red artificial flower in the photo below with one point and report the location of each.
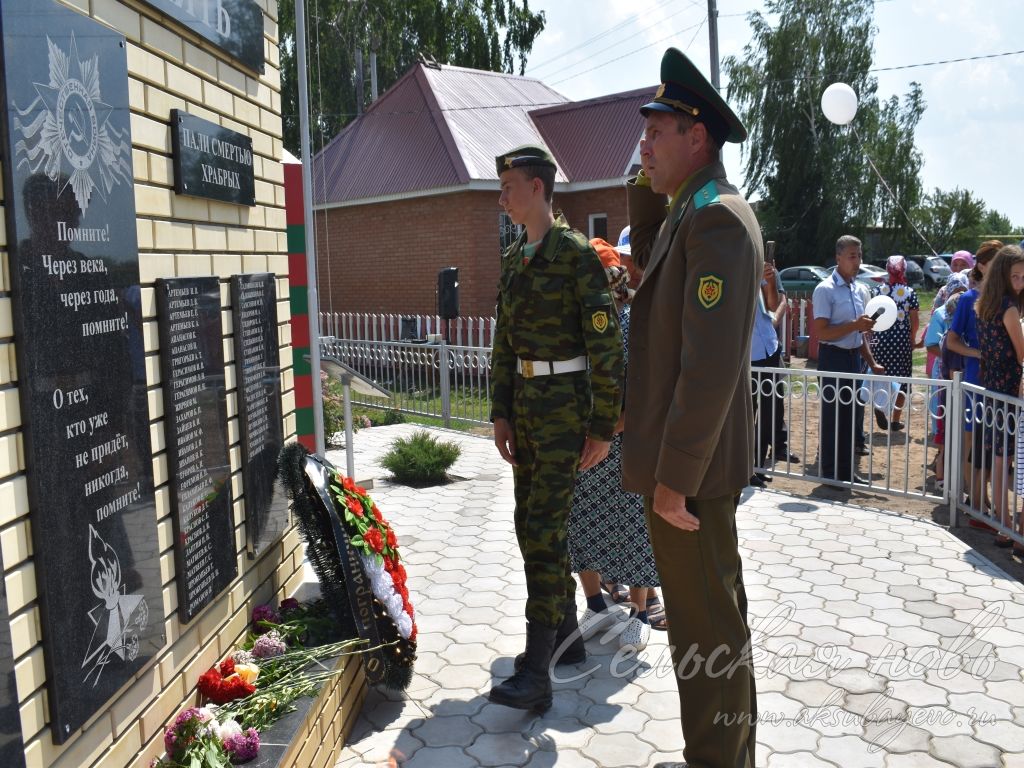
(399, 576)
(348, 484)
(392, 539)
(359, 489)
(376, 513)
(374, 540)
(227, 667)
(389, 563)
(404, 592)
(355, 506)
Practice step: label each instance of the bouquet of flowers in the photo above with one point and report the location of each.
(196, 738)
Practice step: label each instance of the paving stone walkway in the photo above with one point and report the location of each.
(880, 641)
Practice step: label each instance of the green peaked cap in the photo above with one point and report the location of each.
(685, 90)
(520, 156)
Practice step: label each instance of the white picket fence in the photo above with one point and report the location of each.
(364, 326)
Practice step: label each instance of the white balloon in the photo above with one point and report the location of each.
(839, 103)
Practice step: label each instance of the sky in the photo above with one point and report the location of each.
(972, 130)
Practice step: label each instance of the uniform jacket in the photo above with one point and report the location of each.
(689, 420)
(557, 306)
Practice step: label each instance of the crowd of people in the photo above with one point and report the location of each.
(601, 353)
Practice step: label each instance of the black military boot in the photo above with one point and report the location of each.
(569, 647)
(530, 687)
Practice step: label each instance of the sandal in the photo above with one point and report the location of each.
(617, 592)
(656, 614)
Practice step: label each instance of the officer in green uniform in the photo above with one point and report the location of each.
(687, 445)
(556, 373)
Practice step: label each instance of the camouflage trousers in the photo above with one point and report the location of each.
(550, 416)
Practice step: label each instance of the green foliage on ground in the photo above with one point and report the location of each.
(420, 459)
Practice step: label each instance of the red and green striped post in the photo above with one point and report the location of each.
(298, 287)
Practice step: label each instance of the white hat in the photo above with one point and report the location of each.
(623, 245)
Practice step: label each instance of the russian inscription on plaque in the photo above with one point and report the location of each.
(257, 362)
(70, 205)
(211, 161)
(195, 413)
(234, 26)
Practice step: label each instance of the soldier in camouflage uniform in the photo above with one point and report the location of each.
(556, 373)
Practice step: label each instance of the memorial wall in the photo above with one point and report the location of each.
(146, 369)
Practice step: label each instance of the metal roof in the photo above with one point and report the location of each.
(440, 127)
(597, 138)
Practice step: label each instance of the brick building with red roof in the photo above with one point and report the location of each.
(410, 186)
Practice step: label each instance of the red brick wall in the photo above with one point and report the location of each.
(385, 257)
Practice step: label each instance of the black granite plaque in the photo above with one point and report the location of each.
(210, 161)
(235, 26)
(12, 750)
(70, 209)
(196, 425)
(258, 375)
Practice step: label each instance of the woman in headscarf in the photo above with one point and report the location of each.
(894, 348)
(608, 536)
(962, 262)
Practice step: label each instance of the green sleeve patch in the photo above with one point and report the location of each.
(709, 290)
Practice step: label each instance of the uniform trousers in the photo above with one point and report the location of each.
(706, 605)
(549, 416)
(838, 412)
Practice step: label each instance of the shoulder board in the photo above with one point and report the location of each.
(706, 195)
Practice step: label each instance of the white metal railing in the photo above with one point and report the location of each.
(368, 326)
(451, 382)
(438, 380)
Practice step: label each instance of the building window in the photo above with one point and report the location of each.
(507, 231)
(599, 225)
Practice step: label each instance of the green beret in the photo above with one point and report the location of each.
(517, 158)
(685, 90)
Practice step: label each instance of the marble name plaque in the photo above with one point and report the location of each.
(211, 161)
(258, 375)
(234, 26)
(196, 425)
(70, 214)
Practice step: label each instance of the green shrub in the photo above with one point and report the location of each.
(334, 407)
(420, 460)
(391, 416)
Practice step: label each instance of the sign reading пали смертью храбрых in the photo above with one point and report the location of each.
(211, 161)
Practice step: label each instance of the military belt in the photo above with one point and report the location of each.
(530, 368)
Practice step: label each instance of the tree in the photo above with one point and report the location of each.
(466, 33)
(815, 177)
(957, 219)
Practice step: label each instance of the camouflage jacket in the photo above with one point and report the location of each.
(557, 306)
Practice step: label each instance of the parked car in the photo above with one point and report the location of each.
(936, 271)
(869, 276)
(915, 273)
(803, 279)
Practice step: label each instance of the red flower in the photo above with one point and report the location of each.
(219, 690)
(359, 489)
(227, 667)
(399, 576)
(348, 484)
(376, 513)
(355, 506)
(209, 682)
(389, 563)
(404, 592)
(374, 540)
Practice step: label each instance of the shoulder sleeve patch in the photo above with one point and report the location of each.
(709, 290)
(706, 195)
